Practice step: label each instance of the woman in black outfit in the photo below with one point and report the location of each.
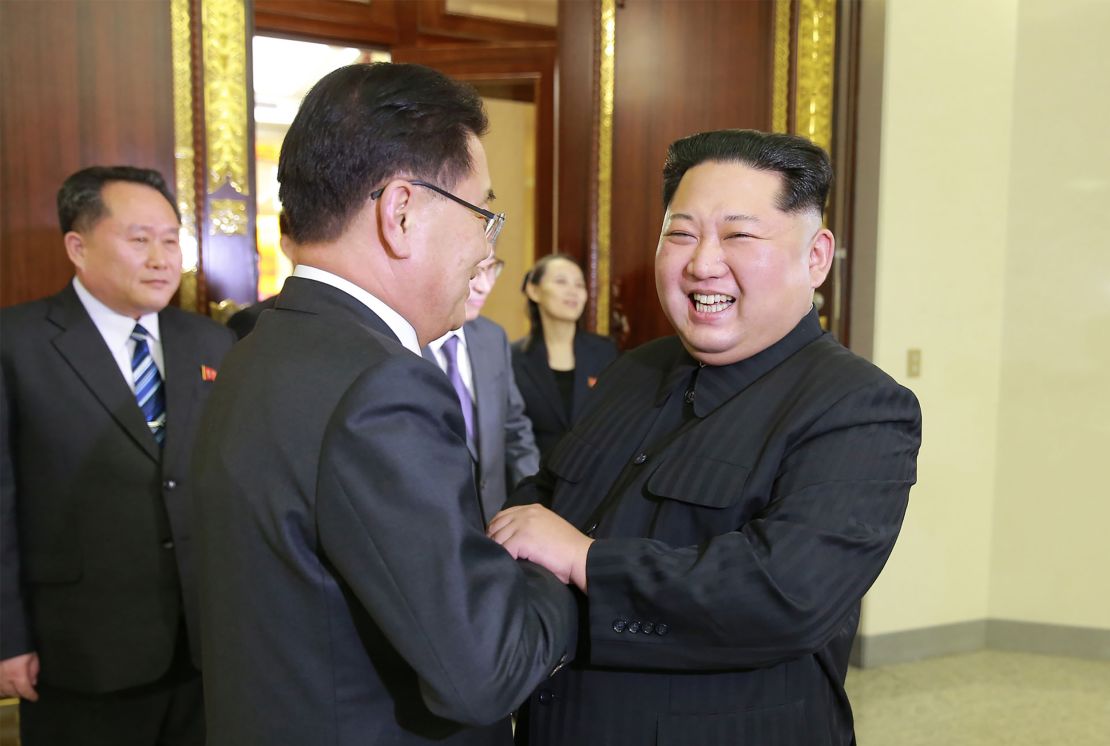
(557, 363)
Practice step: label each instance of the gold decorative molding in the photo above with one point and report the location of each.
(816, 61)
(607, 67)
(228, 217)
(185, 175)
(225, 95)
(780, 101)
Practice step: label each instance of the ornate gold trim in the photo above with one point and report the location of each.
(225, 95)
(228, 217)
(813, 103)
(185, 173)
(780, 112)
(607, 59)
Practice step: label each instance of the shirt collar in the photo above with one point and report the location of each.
(114, 327)
(395, 321)
(437, 344)
(715, 384)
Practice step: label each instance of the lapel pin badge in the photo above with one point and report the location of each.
(207, 373)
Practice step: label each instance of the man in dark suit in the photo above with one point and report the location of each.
(101, 387)
(732, 492)
(243, 321)
(349, 594)
(479, 366)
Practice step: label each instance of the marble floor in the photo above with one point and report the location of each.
(988, 698)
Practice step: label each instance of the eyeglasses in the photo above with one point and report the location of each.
(494, 220)
(494, 269)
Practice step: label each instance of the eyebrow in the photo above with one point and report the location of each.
(728, 218)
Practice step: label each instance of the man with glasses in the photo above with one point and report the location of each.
(349, 593)
(478, 362)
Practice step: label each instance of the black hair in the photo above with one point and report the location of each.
(80, 201)
(806, 171)
(533, 277)
(363, 124)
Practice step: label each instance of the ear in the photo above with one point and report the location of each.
(396, 217)
(532, 292)
(75, 248)
(821, 252)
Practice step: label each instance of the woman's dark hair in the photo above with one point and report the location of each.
(81, 202)
(533, 277)
(806, 171)
(363, 124)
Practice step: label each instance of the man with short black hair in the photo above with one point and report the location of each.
(350, 595)
(733, 491)
(101, 386)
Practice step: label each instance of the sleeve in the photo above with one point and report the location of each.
(15, 637)
(782, 584)
(522, 457)
(480, 629)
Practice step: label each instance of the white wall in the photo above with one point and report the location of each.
(1051, 556)
(992, 189)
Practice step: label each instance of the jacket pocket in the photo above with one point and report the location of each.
(699, 481)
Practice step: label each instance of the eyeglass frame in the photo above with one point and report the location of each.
(495, 221)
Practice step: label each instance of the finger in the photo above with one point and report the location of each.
(24, 689)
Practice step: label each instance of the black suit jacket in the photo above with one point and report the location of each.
(542, 402)
(733, 545)
(506, 450)
(242, 322)
(96, 569)
(349, 593)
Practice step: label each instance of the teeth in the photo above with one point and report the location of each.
(711, 302)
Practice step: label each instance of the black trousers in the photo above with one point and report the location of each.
(166, 712)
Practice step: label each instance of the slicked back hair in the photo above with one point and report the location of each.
(80, 200)
(363, 124)
(806, 171)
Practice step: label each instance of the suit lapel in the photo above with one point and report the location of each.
(581, 376)
(182, 360)
(82, 347)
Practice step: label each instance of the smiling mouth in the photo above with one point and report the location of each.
(710, 302)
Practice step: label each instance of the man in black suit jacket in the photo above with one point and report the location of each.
(501, 445)
(97, 597)
(732, 492)
(349, 594)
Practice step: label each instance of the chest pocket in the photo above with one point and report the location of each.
(696, 480)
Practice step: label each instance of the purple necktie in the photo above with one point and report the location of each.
(451, 349)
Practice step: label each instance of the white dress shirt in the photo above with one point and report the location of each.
(463, 358)
(116, 330)
(395, 321)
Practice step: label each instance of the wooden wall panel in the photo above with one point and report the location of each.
(680, 68)
(82, 82)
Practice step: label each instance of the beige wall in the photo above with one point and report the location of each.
(1051, 552)
(985, 185)
(511, 149)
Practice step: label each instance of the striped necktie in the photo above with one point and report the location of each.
(148, 385)
(450, 351)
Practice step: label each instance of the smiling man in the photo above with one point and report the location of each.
(102, 384)
(734, 490)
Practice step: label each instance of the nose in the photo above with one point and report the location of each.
(481, 283)
(707, 260)
(158, 255)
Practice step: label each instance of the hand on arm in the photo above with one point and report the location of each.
(534, 533)
(18, 676)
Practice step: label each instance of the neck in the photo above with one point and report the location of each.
(558, 333)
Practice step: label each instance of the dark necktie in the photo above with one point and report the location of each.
(148, 385)
(451, 351)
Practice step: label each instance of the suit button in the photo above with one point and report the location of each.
(169, 484)
(689, 396)
(482, 485)
(619, 625)
(647, 627)
(661, 629)
(545, 697)
(167, 545)
(640, 458)
(590, 531)
(633, 627)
